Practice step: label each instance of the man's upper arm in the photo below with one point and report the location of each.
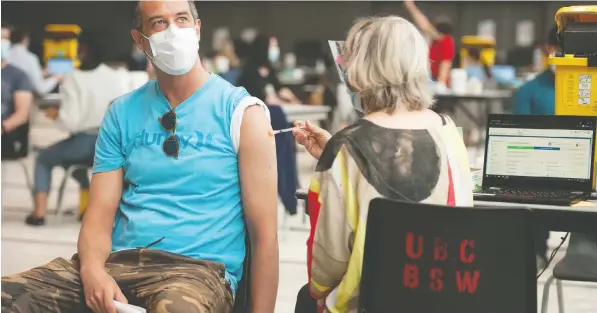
(109, 154)
(523, 100)
(23, 94)
(258, 172)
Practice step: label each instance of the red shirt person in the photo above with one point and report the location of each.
(442, 48)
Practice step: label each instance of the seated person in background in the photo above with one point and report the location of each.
(400, 150)
(227, 63)
(17, 97)
(537, 96)
(21, 57)
(178, 183)
(85, 96)
(260, 77)
(476, 67)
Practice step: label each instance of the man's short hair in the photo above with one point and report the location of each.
(443, 25)
(137, 14)
(18, 34)
(6, 25)
(552, 36)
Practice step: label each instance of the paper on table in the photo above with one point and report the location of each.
(584, 204)
(486, 28)
(525, 33)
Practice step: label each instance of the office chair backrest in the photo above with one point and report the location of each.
(423, 258)
(20, 143)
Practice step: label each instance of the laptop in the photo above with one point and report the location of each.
(539, 159)
(60, 66)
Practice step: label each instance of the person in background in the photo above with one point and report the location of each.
(17, 98)
(227, 63)
(442, 49)
(85, 96)
(21, 57)
(400, 150)
(537, 96)
(259, 76)
(184, 165)
(476, 67)
(137, 60)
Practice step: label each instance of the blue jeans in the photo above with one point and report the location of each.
(78, 149)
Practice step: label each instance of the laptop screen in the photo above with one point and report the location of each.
(540, 152)
(60, 66)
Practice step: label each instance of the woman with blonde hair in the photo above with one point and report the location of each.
(400, 150)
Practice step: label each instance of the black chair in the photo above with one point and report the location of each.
(579, 264)
(16, 149)
(242, 298)
(434, 259)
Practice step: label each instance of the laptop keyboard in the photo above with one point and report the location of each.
(531, 193)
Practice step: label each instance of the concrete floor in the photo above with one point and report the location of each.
(25, 247)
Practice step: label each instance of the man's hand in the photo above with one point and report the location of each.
(51, 113)
(101, 290)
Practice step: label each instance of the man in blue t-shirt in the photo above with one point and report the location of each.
(181, 164)
(538, 97)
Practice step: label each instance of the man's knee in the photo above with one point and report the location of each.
(48, 157)
(186, 297)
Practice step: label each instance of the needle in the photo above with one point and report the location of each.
(275, 132)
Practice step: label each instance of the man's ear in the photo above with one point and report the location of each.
(136, 34)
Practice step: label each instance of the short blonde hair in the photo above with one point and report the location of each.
(387, 63)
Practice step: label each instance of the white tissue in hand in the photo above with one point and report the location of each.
(128, 308)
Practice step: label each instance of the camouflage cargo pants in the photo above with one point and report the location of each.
(159, 281)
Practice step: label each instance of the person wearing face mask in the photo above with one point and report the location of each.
(137, 60)
(85, 95)
(399, 150)
(259, 75)
(537, 96)
(17, 97)
(227, 63)
(181, 165)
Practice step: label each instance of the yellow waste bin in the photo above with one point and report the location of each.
(61, 42)
(485, 45)
(576, 66)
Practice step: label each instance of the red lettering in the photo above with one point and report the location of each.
(410, 246)
(436, 284)
(463, 249)
(440, 250)
(465, 282)
(411, 276)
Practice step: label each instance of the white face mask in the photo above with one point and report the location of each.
(273, 54)
(552, 67)
(222, 64)
(174, 50)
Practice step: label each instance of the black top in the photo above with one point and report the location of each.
(255, 84)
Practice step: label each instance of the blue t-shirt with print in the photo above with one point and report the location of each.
(194, 201)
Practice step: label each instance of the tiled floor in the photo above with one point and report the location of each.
(25, 247)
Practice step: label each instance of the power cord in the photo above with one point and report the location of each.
(553, 254)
